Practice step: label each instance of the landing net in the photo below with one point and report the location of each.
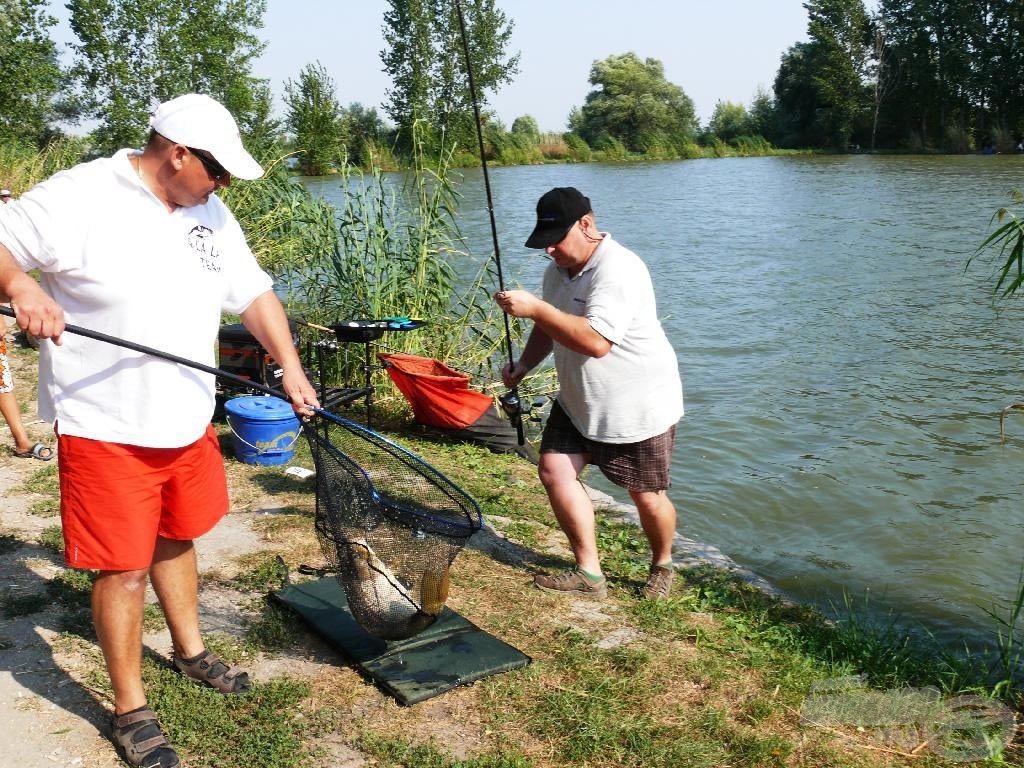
(389, 523)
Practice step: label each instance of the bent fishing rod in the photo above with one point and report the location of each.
(510, 400)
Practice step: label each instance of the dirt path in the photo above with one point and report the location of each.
(48, 714)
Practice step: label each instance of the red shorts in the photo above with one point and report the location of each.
(116, 499)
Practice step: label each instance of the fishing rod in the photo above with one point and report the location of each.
(118, 342)
(510, 400)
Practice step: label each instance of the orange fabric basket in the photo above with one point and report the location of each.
(440, 396)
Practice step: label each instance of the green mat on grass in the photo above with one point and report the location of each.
(450, 652)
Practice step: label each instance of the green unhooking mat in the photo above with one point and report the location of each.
(449, 653)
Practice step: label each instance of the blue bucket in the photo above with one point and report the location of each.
(264, 429)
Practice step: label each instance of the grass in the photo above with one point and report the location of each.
(715, 676)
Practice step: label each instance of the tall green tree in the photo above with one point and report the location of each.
(425, 58)
(763, 116)
(635, 105)
(133, 54)
(314, 120)
(363, 131)
(821, 89)
(526, 126)
(839, 29)
(30, 76)
(729, 121)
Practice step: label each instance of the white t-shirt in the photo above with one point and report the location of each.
(635, 391)
(113, 257)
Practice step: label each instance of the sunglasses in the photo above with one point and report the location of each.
(217, 171)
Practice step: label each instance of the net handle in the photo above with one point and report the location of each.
(219, 373)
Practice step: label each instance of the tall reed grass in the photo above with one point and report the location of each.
(392, 248)
(23, 166)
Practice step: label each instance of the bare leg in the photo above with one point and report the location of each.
(176, 582)
(12, 415)
(560, 475)
(658, 519)
(118, 599)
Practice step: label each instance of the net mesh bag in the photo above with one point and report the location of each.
(389, 524)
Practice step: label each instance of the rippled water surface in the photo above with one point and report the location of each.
(843, 373)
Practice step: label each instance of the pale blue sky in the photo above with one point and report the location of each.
(714, 49)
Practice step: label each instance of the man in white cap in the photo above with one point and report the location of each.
(5, 195)
(138, 246)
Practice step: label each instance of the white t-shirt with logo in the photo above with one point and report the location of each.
(634, 392)
(113, 257)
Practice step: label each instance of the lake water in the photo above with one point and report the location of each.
(843, 374)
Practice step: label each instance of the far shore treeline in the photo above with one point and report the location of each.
(911, 76)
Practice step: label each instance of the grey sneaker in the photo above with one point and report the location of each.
(659, 583)
(572, 582)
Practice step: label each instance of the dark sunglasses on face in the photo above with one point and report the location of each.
(217, 171)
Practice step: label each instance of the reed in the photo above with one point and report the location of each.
(1007, 667)
(1008, 241)
(22, 166)
(392, 248)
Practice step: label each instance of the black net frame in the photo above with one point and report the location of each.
(389, 523)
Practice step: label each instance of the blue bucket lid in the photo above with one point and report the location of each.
(260, 408)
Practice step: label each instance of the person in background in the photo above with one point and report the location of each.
(24, 448)
(620, 395)
(139, 246)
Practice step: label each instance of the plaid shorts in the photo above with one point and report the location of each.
(642, 466)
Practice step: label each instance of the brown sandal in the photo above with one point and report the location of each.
(209, 669)
(140, 741)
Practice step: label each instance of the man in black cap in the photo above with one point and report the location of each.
(620, 390)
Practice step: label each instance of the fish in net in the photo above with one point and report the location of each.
(388, 523)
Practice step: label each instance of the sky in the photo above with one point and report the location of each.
(715, 50)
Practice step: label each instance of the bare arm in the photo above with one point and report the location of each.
(570, 331)
(35, 312)
(266, 320)
(538, 346)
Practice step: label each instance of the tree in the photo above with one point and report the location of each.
(426, 61)
(362, 131)
(133, 54)
(30, 77)
(796, 99)
(762, 116)
(526, 126)
(314, 119)
(820, 88)
(881, 72)
(838, 29)
(636, 106)
(729, 121)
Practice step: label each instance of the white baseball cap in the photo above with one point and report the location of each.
(197, 121)
(5, 193)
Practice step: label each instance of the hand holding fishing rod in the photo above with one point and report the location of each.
(510, 400)
(35, 311)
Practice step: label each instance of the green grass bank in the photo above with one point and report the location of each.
(716, 676)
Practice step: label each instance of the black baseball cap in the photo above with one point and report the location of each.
(557, 211)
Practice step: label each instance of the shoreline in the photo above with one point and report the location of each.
(686, 552)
